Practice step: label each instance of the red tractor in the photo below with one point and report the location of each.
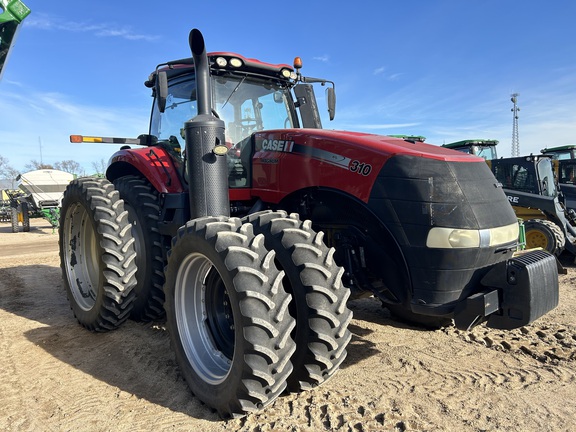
(250, 227)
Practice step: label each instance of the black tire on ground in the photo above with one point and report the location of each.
(227, 315)
(14, 219)
(141, 202)
(319, 298)
(97, 254)
(25, 217)
(544, 234)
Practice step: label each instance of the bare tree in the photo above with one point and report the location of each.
(99, 167)
(70, 166)
(35, 165)
(7, 172)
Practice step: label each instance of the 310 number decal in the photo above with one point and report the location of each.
(360, 167)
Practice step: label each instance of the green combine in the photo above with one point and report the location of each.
(12, 13)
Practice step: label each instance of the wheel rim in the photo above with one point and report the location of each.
(204, 318)
(536, 239)
(80, 248)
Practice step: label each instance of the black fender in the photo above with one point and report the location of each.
(357, 234)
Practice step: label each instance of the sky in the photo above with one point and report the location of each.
(444, 69)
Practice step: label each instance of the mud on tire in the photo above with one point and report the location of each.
(319, 298)
(141, 202)
(227, 315)
(97, 254)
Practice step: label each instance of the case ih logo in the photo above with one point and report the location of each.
(277, 145)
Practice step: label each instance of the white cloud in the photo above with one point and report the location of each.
(323, 58)
(381, 71)
(394, 77)
(37, 126)
(46, 22)
(376, 126)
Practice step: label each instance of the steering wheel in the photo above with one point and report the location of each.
(248, 125)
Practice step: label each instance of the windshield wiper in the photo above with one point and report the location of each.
(233, 91)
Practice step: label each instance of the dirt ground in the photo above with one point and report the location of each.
(56, 376)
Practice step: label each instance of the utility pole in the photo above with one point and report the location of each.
(515, 140)
(40, 147)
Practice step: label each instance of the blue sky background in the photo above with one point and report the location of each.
(444, 69)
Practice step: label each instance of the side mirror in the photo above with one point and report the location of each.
(331, 99)
(278, 97)
(161, 90)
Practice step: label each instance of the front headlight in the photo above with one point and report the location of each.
(452, 238)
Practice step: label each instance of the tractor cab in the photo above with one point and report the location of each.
(484, 148)
(246, 95)
(560, 152)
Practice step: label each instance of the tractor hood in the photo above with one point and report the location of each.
(381, 144)
(346, 161)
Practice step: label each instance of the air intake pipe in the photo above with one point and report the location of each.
(207, 167)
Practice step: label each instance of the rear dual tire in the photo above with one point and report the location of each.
(97, 254)
(142, 203)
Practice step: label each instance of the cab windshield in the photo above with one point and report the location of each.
(486, 152)
(245, 104)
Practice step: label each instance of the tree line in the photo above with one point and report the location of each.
(7, 172)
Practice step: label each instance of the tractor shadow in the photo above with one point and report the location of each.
(136, 358)
(567, 260)
(37, 226)
(370, 328)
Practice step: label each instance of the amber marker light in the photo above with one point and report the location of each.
(297, 63)
(85, 139)
(90, 139)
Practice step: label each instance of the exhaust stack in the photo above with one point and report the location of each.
(207, 171)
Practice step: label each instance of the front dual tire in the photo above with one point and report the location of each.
(228, 315)
(254, 307)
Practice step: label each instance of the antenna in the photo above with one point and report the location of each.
(515, 140)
